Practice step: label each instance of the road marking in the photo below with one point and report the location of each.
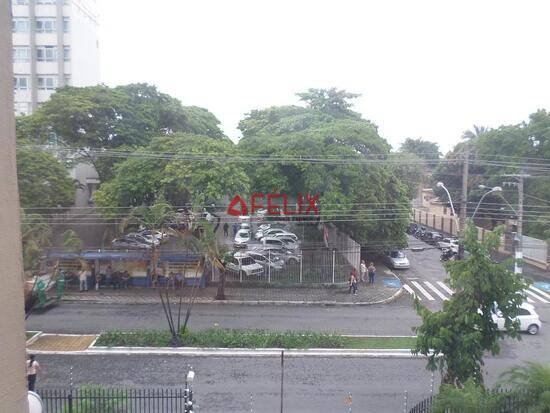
(411, 292)
(423, 291)
(532, 294)
(444, 286)
(540, 292)
(435, 290)
(412, 278)
(530, 300)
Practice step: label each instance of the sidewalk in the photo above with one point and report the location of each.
(296, 295)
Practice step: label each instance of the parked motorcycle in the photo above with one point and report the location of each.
(448, 254)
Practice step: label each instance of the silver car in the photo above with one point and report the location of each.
(397, 260)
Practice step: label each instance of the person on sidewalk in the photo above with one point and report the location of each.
(372, 273)
(353, 282)
(32, 368)
(226, 229)
(363, 269)
(83, 279)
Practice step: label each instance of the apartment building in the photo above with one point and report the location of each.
(55, 43)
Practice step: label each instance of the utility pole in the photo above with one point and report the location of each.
(518, 242)
(464, 199)
(13, 386)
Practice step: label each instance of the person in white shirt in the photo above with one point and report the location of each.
(363, 269)
(83, 278)
(32, 368)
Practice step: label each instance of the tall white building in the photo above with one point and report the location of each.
(55, 44)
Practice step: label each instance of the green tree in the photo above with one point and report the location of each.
(196, 173)
(471, 398)
(421, 148)
(71, 242)
(43, 180)
(530, 384)
(36, 233)
(331, 101)
(91, 119)
(456, 338)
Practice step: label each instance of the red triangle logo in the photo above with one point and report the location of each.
(231, 208)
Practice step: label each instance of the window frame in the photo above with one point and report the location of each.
(43, 23)
(16, 23)
(17, 82)
(45, 50)
(17, 59)
(44, 79)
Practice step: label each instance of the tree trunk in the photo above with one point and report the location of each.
(220, 295)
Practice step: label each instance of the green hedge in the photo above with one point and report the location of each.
(224, 338)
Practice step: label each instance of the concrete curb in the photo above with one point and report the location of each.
(34, 338)
(236, 352)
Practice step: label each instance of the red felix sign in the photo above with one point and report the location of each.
(272, 207)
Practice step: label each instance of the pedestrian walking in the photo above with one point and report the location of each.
(363, 269)
(32, 368)
(235, 229)
(372, 272)
(226, 229)
(83, 279)
(353, 282)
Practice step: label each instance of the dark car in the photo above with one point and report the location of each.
(130, 243)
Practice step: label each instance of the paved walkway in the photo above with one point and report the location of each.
(337, 295)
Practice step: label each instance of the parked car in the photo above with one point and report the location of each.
(242, 238)
(145, 239)
(269, 231)
(286, 234)
(396, 260)
(290, 257)
(529, 320)
(432, 237)
(289, 241)
(411, 229)
(130, 243)
(272, 244)
(420, 231)
(275, 232)
(243, 264)
(448, 243)
(158, 235)
(266, 259)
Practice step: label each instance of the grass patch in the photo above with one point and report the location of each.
(220, 338)
(30, 334)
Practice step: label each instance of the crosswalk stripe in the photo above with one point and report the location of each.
(530, 300)
(532, 294)
(444, 286)
(539, 291)
(423, 291)
(411, 292)
(435, 290)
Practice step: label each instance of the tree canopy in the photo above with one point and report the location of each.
(421, 148)
(43, 180)
(100, 117)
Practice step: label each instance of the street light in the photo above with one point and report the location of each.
(441, 185)
(495, 189)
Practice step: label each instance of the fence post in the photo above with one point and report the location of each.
(333, 265)
(301, 269)
(240, 272)
(269, 266)
(70, 398)
(405, 403)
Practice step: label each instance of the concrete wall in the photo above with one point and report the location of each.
(13, 387)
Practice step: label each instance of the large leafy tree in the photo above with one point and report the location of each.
(422, 148)
(88, 119)
(456, 338)
(43, 180)
(367, 200)
(196, 172)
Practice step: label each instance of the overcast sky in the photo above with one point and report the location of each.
(427, 69)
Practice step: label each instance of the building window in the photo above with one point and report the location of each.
(20, 25)
(20, 2)
(45, 25)
(47, 82)
(46, 54)
(66, 24)
(67, 53)
(20, 82)
(46, 1)
(21, 54)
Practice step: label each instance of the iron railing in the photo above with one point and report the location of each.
(508, 403)
(93, 399)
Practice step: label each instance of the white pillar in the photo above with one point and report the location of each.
(13, 386)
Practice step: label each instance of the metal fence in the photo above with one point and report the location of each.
(316, 266)
(101, 400)
(509, 403)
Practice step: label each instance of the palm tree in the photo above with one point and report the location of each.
(530, 385)
(475, 133)
(35, 234)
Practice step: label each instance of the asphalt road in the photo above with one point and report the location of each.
(253, 384)
(74, 317)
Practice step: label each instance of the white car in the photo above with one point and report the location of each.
(286, 234)
(146, 239)
(289, 242)
(266, 259)
(397, 260)
(243, 264)
(242, 237)
(447, 243)
(528, 319)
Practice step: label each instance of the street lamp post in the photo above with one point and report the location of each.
(188, 399)
(495, 189)
(441, 185)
